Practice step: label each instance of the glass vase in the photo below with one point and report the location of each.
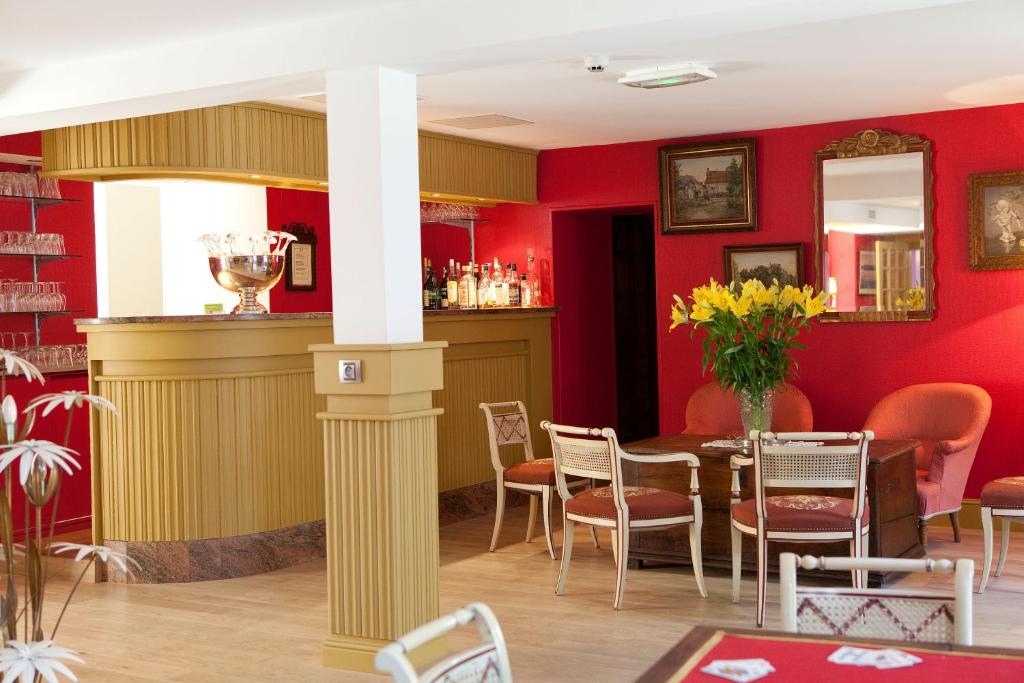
(756, 411)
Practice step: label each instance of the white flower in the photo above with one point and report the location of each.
(32, 451)
(101, 552)
(49, 402)
(10, 410)
(13, 364)
(26, 660)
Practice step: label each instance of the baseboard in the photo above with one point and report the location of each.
(476, 500)
(970, 516)
(63, 526)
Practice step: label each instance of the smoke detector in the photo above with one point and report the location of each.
(668, 76)
(595, 64)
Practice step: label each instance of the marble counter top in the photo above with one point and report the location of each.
(218, 317)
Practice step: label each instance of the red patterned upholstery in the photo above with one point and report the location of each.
(540, 471)
(644, 502)
(800, 513)
(949, 420)
(713, 410)
(1007, 492)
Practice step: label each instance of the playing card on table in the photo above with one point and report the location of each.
(894, 659)
(855, 656)
(739, 670)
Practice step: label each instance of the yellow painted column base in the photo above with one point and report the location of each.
(380, 467)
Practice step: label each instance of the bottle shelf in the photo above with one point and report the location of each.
(43, 314)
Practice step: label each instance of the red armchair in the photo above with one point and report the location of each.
(714, 410)
(949, 420)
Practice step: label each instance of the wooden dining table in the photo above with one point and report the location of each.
(798, 658)
(891, 489)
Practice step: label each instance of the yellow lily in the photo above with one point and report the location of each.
(679, 316)
(740, 307)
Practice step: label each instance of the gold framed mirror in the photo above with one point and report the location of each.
(873, 235)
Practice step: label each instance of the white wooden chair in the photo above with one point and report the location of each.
(888, 614)
(800, 518)
(508, 424)
(1002, 498)
(595, 454)
(485, 663)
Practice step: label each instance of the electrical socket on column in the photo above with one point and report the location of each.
(350, 371)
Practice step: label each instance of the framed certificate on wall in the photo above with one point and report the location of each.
(300, 261)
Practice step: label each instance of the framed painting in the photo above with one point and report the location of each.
(708, 187)
(300, 258)
(765, 262)
(866, 272)
(996, 220)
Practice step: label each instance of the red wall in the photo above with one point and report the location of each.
(978, 330)
(75, 221)
(302, 206)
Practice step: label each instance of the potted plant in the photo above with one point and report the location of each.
(37, 467)
(750, 334)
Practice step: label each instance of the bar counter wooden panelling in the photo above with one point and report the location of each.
(216, 446)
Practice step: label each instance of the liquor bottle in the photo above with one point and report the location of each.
(443, 290)
(532, 281)
(452, 284)
(483, 287)
(467, 289)
(524, 293)
(513, 286)
(430, 293)
(498, 284)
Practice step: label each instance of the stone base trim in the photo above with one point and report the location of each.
(210, 559)
(476, 500)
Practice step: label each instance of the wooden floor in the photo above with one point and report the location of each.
(270, 627)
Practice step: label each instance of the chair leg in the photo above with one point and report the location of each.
(696, 559)
(568, 527)
(857, 551)
(762, 577)
(615, 548)
(1004, 528)
(954, 520)
(622, 541)
(737, 561)
(499, 515)
(545, 497)
(986, 530)
(922, 532)
(593, 535)
(533, 519)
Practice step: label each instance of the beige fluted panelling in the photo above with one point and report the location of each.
(266, 144)
(491, 357)
(459, 168)
(216, 433)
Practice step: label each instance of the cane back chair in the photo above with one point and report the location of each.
(796, 460)
(596, 454)
(889, 614)
(485, 663)
(508, 424)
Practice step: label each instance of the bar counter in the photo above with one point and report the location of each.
(213, 467)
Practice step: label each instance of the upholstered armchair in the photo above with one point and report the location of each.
(714, 410)
(949, 420)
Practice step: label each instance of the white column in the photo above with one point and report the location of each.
(373, 170)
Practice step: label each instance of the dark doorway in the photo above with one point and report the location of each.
(636, 326)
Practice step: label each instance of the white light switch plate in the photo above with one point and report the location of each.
(350, 371)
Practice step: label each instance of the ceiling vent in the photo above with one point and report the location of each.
(482, 121)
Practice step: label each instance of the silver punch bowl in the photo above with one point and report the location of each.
(247, 276)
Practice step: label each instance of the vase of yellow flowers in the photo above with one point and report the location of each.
(750, 334)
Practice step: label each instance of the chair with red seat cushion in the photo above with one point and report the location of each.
(714, 410)
(596, 454)
(508, 424)
(829, 460)
(949, 420)
(1002, 498)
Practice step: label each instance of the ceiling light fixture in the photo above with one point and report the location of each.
(668, 76)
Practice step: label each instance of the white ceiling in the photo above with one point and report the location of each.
(780, 62)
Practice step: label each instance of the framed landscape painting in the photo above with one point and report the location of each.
(783, 263)
(996, 220)
(708, 187)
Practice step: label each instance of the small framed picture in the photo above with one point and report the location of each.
(300, 258)
(996, 220)
(708, 187)
(866, 276)
(783, 263)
